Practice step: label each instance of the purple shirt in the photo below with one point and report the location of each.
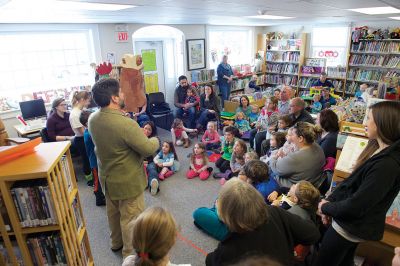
(58, 126)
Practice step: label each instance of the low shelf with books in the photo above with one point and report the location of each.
(42, 203)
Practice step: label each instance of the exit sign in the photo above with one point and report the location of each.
(122, 36)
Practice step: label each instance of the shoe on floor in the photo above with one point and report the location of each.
(117, 249)
(210, 169)
(100, 201)
(89, 183)
(154, 187)
(218, 175)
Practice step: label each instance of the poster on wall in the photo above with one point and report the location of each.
(196, 54)
(111, 58)
(151, 82)
(149, 60)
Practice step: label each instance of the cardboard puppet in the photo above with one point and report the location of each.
(132, 83)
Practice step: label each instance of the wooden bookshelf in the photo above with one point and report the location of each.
(47, 166)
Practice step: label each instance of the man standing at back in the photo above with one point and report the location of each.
(120, 147)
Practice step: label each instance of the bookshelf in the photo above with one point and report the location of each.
(283, 60)
(370, 61)
(41, 220)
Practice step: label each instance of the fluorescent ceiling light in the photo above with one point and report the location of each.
(62, 5)
(377, 10)
(269, 17)
(396, 18)
(91, 6)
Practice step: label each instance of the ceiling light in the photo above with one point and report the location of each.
(269, 17)
(377, 10)
(396, 18)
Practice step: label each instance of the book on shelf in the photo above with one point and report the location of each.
(281, 79)
(283, 57)
(33, 204)
(283, 68)
(46, 249)
(358, 74)
(67, 172)
(85, 256)
(5, 258)
(336, 72)
(4, 215)
(77, 214)
(379, 47)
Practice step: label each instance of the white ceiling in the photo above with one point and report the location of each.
(218, 12)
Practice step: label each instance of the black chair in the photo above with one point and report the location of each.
(44, 135)
(159, 110)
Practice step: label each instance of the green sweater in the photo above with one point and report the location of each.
(121, 147)
(227, 148)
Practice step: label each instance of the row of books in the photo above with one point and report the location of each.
(352, 87)
(77, 214)
(280, 79)
(375, 60)
(203, 75)
(67, 172)
(5, 258)
(381, 47)
(283, 68)
(283, 57)
(337, 72)
(392, 74)
(46, 250)
(34, 205)
(367, 75)
(307, 82)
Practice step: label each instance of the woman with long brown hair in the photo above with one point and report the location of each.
(357, 207)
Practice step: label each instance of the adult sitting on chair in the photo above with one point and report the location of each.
(58, 125)
(297, 112)
(210, 106)
(182, 107)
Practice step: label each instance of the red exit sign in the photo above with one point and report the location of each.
(122, 36)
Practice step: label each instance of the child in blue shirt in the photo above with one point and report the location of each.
(89, 145)
(166, 160)
(253, 116)
(316, 107)
(241, 123)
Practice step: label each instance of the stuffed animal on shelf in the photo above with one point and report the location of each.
(395, 34)
(104, 70)
(280, 35)
(132, 83)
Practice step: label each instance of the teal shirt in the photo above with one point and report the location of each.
(246, 112)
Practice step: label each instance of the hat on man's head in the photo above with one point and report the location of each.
(131, 61)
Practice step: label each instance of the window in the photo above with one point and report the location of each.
(330, 43)
(236, 43)
(35, 62)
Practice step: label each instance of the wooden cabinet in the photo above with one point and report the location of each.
(43, 227)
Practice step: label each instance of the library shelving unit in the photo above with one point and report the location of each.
(370, 61)
(283, 61)
(41, 221)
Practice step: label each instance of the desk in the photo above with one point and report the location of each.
(24, 132)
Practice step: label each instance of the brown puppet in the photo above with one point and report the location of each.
(132, 83)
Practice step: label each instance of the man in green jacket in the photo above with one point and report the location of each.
(120, 147)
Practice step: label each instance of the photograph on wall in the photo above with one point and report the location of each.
(196, 54)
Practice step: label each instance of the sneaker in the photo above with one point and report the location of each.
(222, 181)
(218, 175)
(100, 201)
(89, 183)
(161, 177)
(210, 169)
(168, 173)
(154, 187)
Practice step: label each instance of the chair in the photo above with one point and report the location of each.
(159, 111)
(44, 135)
(5, 140)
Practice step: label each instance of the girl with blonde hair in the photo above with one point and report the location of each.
(154, 234)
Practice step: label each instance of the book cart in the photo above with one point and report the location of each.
(41, 221)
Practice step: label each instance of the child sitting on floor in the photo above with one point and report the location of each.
(251, 155)
(198, 163)
(276, 141)
(241, 123)
(223, 163)
(253, 116)
(154, 234)
(179, 133)
(237, 161)
(316, 107)
(211, 137)
(301, 199)
(166, 160)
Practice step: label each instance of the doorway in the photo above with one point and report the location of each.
(162, 49)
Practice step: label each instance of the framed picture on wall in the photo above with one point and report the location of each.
(196, 54)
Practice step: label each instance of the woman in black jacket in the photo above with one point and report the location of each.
(329, 123)
(210, 106)
(358, 206)
(256, 228)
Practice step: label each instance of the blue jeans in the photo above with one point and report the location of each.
(208, 220)
(205, 116)
(225, 90)
(151, 172)
(191, 116)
